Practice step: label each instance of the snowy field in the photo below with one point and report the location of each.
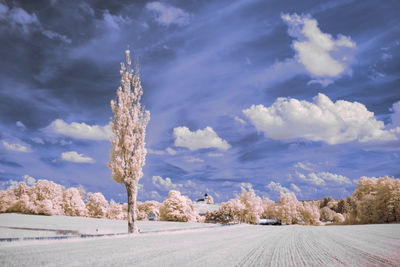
(191, 244)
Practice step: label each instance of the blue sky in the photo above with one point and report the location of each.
(286, 96)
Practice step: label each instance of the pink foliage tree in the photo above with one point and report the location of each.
(288, 212)
(73, 203)
(128, 152)
(252, 206)
(47, 198)
(309, 212)
(177, 208)
(96, 205)
(116, 211)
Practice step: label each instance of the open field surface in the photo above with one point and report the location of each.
(177, 244)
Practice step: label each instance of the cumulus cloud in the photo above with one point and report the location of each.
(80, 130)
(321, 178)
(277, 187)
(16, 147)
(167, 14)
(164, 184)
(199, 139)
(73, 156)
(321, 120)
(324, 57)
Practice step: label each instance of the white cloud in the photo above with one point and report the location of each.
(167, 14)
(194, 160)
(241, 121)
(20, 125)
(155, 152)
(55, 35)
(295, 188)
(323, 56)
(312, 178)
(171, 151)
(18, 18)
(37, 140)
(396, 114)
(320, 120)
(214, 155)
(199, 139)
(16, 147)
(80, 130)
(304, 165)
(74, 156)
(29, 180)
(327, 176)
(164, 184)
(114, 21)
(277, 187)
(168, 150)
(321, 178)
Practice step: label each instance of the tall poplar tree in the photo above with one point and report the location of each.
(128, 154)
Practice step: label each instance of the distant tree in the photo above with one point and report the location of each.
(73, 203)
(115, 211)
(96, 205)
(7, 199)
(325, 202)
(47, 198)
(177, 208)
(309, 212)
(288, 212)
(375, 200)
(234, 209)
(128, 152)
(270, 209)
(338, 218)
(326, 214)
(149, 207)
(252, 206)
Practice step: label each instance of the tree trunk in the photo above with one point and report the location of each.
(132, 194)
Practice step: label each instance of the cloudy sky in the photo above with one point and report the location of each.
(293, 96)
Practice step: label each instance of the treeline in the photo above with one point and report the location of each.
(48, 198)
(375, 200)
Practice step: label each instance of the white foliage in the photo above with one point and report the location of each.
(177, 208)
(96, 205)
(73, 203)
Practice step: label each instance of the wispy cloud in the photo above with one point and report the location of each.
(16, 147)
(167, 14)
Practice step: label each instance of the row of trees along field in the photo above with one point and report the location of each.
(375, 200)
